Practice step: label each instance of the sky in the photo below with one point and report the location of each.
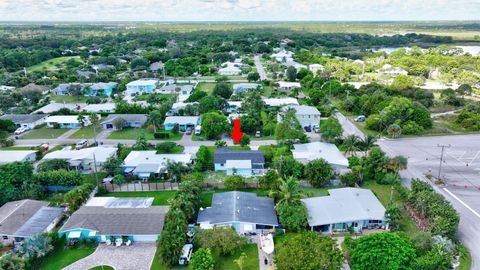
(238, 10)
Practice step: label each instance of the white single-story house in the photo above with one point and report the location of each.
(357, 85)
(295, 64)
(10, 156)
(181, 89)
(146, 163)
(27, 218)
(66, 121)
(26, 120)
(345, 208)
(100, 108)
(130, 121)
(389, 70)
(86, 159)
(64, 88)
(244, 87)
(53, 107)
(101, 89)
(179, 106)
(307, 152)
(142, 86)
(233, 106)
(280, 102)
(288, 86)
(306, 115)
(229, 69)
(183, 122)
(239, 162)
(243, 211)
(283, 56)
(315, 68)
(126, 217)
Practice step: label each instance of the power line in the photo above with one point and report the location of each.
(441, 158)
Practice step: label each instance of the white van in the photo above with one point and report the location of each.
(198, 130)
(186, 254)
(81, 144)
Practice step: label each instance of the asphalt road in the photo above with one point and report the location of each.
(460, 173)
(260, 68)
(348, 127)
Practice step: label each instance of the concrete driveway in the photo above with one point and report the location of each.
(139, 256)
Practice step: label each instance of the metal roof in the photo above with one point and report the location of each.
(142, 118)
(316, 150)
(223, 154)
(237, 206)
(344, 205)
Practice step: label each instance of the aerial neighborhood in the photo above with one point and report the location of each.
(138, 148)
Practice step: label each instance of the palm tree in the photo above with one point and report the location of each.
(155, 117)
(368, 142)
(398, 163)
(351, 144)
(394, 130)
(288, 192)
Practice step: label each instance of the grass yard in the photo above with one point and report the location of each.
(44, 133)
(52, 64)
(86, 132)
(222, 262)
(134, 133)
(64, 256)
(383, 194)
(102, 267)
(206, 87)
(159, 197)
(68, 99)
(12, 148)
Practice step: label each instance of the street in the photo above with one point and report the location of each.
(460, 171)
(348, 127)
(260, 69)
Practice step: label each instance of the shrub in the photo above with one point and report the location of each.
(234, 182)
(202, 260)
(53, 165)
(77, 196)
(293, 217)
(161, 135)
(412, 128)
(59, 177)
(222, 239)
(166, 147)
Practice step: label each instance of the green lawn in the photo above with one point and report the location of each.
(160, 197)
(206, 87)
(44, 133)
(222, 262)
(65, 256)
(134, 133)
(52, 64)
(86, 132)
(102, 267)
(68, 99)
(383, 194)
(19, 148)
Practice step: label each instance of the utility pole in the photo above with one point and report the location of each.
(443, 146)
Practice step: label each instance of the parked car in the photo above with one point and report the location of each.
(198, 130)
(186, 254)
(258, 134)
(316, 129)
(81, 144)
(21, 130)
(188, 131)
(308, 129)
(360, 118)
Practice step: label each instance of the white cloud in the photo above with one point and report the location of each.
(257, 10)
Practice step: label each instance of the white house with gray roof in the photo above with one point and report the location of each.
(243, 211)
(143, 164)
(239, 162)
(244, 87)
(306, 115)
(26, 218)
(10, 156)
(307, 152)
(356, 208)
(26, 120)
(129, 121)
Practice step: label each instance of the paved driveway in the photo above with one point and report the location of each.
(139, 256)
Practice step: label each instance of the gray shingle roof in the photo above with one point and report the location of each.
(39, 221)
(142, 118)
(23, 118)
(236, 206)
(14, 214)
(118, 221)
(223, 154)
